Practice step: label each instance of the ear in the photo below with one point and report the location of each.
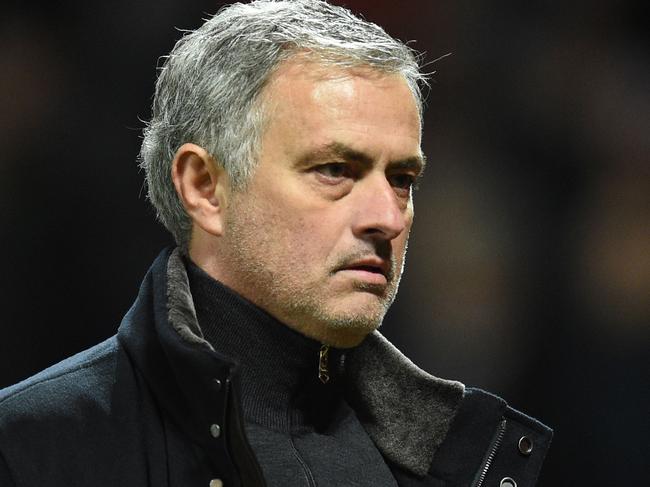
(202, 185)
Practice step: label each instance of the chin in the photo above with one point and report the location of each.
(365, 307)
(355, 322)
(342, 322)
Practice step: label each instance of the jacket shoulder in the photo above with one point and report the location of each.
(59, 389)
(75, 423)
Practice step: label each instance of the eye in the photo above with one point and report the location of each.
(333, 170)
(404, 181)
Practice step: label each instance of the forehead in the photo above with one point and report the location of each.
(323, 104)
(301, 72)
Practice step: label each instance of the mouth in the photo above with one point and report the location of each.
(366, 268)
(370, 270)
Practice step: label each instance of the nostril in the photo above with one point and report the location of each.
(387, 232)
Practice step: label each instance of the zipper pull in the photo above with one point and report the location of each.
(323, 367)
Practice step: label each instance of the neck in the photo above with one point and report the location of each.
(286, 378)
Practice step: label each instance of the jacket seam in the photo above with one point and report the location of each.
(526, 421)
(311, 481)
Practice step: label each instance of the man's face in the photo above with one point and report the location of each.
(319, 236)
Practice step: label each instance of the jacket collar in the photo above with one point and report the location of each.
(406, 411)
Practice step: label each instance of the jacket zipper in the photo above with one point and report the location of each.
(311, 482)
(496, 443)
(324, 377)
(323, 364)
(305, 468)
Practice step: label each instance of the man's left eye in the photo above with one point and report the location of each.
(402, 181)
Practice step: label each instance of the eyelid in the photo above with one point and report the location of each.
(350, 170)
(331, 164)
(343, 167)
(412, 179)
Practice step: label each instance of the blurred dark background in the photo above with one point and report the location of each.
(529, 264)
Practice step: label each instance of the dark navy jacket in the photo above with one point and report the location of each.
(150, 407)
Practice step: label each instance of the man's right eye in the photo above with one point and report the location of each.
(333, 170)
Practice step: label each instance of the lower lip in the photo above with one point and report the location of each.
(366, 276)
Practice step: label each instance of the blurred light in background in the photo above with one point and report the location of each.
(529, 266)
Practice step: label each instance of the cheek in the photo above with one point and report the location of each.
(311, 235)
(299, 235)
(314, 242)
(301, 231)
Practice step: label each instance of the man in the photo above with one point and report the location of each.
(281, 154)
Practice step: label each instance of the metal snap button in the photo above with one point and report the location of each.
(525, 445)
(216, 483)
(215, 430)
(217, 384)
(507, 482)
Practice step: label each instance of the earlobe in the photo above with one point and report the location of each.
(202, 186)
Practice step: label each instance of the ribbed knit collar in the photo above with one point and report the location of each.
(278, 367)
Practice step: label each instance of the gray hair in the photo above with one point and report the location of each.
(209, 86)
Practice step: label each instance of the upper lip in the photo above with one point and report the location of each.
(375, 263)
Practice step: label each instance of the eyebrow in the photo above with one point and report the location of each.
(338, 150)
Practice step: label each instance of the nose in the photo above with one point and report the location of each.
(378, 213)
